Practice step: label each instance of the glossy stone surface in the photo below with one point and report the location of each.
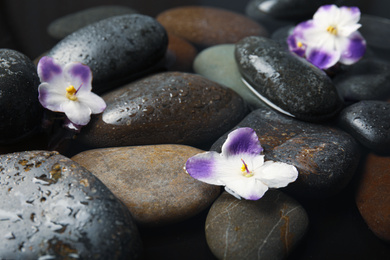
(21, 113)
(290, 84)
(181, 54)
(207, 26)
(51, 208)
(151, 181)
(268, 228)
(172, 107)
(117, 49)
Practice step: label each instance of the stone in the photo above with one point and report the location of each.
(368, 79)
(182, 54)
(52, 208)
(369, 122)
(286, 82)
(326, 157)
(150, 181)
(269, 228)
(373, 195)
(166, 108)
(21, 113)
(218, 64)
(117, 49)
(207, 26)
(63, 26)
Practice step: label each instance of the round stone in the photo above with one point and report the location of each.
(151, 181)
(181, 54)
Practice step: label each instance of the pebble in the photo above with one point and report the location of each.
(63, 26)
(52, 208)
(369, 122)
(117, 49)
(207, 26)
(269, 228)
(286, 82)
(326, 157)
(150, 181)
(169, 108)
(181, 54)
(21, 113)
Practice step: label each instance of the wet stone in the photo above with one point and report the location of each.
(52, 208)
(166, 108)
(70, 23)
(269, 228)
(286, 82)
(181, 54)
(207, 26)
(151, 181)
(117, 49)
(21, 112)
(326, 157)
(369, 122)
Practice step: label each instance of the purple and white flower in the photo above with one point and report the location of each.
(330, 37)
(67, 88)
(240, 167)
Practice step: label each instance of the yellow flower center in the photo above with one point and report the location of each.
(332, 30)
(299, 44)
(71, 93)
(244, 169)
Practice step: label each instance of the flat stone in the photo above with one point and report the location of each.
(207, 26)
(151, 181)
(21, 113)
(326, 157)
(63, 26)
(52, 208)
(182, 54)
(286, 82)
(369, 122)
(269, 228)
(218, 64)
(373, 195)
(166, 108)
(117, 49)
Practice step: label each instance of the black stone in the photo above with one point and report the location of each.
(290, 83)
(117, 49)
(52, 207)
(21, 113)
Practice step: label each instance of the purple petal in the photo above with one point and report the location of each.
(242, 140)
(293, 46)
(301, 28)
(203, 167)
(48, 69)
(79, 75)
(353, 49)
(322, 58)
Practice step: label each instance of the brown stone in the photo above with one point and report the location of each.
(373, 195)
(206, 26)
(151, 181)
(181, 53)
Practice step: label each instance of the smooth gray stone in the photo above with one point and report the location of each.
(117, 49)
(70, 23)
(269, 228)
(286, 82)
(21, 113)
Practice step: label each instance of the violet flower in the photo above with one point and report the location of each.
(67, 88)
(330, 37)
(240, 167)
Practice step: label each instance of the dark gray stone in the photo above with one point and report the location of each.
(269, 228)
(70, 23)
(286, 82)
(21, 113)
(117, 49)
(52, 208)
(369, 122)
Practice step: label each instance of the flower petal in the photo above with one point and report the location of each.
(93, 101)
(277, 174)
(322, 58)
(49, 71)
(326, 14)
(246, 187)
(349, 15)
(51, 97)
(242, 141)
(203, 167)
(77, 112)
(352, 48)
(293, 45)
(78, 75)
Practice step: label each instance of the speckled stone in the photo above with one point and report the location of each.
(117, 49)
(373, 195)
(269, 228)
(70, 23)
(151, 181)
(326, 157)
(51, 208)
(369, 122)
(181, 54)
(21, 113)
(206, 26)
(290, 84)
(166, 108)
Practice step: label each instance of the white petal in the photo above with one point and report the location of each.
(246, 187)
(77, 112)
(51, 97)
(93, 101)
(277, 174)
